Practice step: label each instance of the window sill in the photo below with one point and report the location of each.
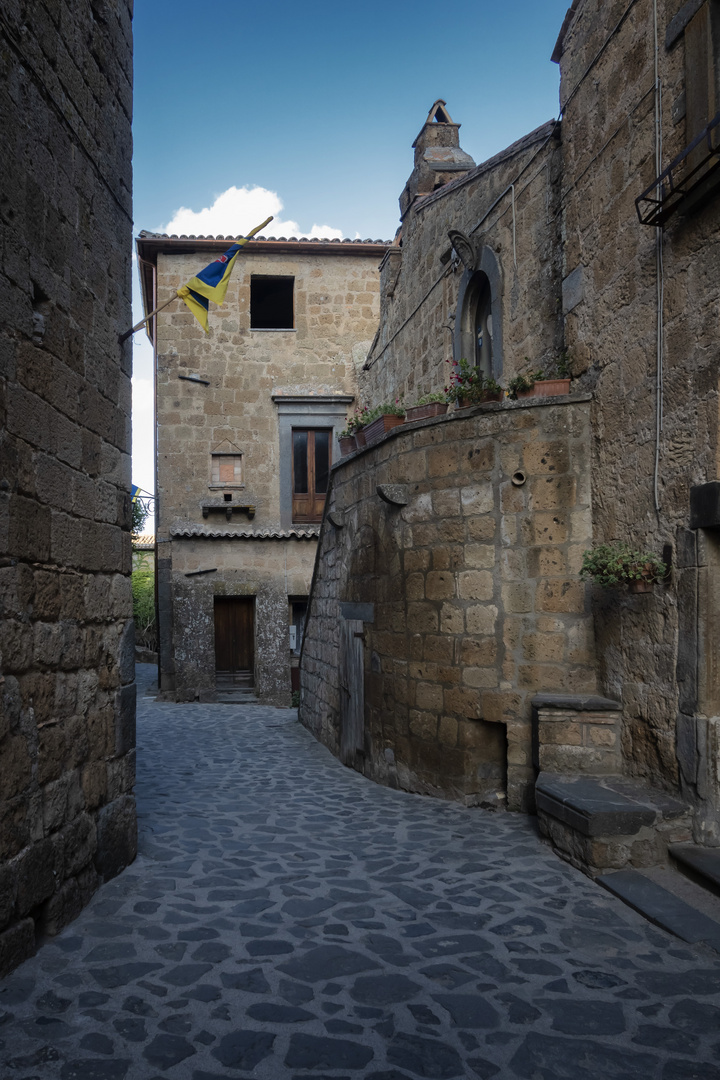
(273, 330)
(226, 487)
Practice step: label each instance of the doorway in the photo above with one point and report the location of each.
(235, 640)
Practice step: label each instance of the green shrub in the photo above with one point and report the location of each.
(143, 594)
(618, 563)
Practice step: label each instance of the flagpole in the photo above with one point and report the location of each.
(139, 326)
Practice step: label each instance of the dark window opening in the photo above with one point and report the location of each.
(271, 303)
(311, 460)
(476, 324)
(298, 614)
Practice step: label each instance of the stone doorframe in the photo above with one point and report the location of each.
(309, 411)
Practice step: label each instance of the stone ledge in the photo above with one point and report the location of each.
(578, 702)
(612, 806)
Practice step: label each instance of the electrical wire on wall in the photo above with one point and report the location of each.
(659, 273)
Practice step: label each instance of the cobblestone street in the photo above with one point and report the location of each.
(287, 918)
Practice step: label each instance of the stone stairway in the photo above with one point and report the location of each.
(682, 897)
(633, 839)
(235, 695)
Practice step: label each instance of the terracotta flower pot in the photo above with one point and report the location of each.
(360, 437)
(381, 426)
(424, 412)
(547, 388)
(640, 585)
(347, 444)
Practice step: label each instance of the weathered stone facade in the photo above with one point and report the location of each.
(67, 692)
(236, 396)
(549, 230)
(477, 604)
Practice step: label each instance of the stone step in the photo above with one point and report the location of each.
(608, 822)
(236, 697)
(663, 907)
(701, 864)
(603, 806)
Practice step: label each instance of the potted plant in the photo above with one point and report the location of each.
(537, 384)
(382, 419)
(469, 386)
(346, 437)
(429, 405)
(617, 564)
(360, 419)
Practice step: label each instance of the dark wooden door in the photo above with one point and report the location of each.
(352, 690)
(311, 462)
(235, 639)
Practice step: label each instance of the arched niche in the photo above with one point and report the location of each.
(478, 320)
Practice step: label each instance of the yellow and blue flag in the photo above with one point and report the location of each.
(212, 282)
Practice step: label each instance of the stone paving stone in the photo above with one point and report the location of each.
(286, 918)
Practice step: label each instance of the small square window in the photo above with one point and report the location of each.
(271, 303)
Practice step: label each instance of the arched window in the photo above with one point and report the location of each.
(476, 327)
(478, 334)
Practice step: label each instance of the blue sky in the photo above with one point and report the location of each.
(310, 110)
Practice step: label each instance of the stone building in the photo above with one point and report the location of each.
(451, 645)
(247, 420)
(67, 692)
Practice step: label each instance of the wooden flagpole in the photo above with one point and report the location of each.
(139, 326)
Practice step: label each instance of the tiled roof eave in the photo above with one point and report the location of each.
(198, 533)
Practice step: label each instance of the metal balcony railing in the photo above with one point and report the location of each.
(665, 195)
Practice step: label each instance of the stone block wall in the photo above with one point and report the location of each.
(67, 693)
(336, 316)
(477, 600)
(421, 281)
(572, 741)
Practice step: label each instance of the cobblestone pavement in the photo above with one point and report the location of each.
(288, 918)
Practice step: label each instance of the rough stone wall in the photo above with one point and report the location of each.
(477, 602)
(336, 308)
(420, 281)
(67, 693)
(269, 570)
(648, 646)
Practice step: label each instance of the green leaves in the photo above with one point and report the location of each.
(618, 563)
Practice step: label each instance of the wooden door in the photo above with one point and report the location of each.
(311, 460)
(235, 639)
(352, 690)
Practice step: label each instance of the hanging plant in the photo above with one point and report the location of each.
(619, 564)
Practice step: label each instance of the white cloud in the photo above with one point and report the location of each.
(238, 210)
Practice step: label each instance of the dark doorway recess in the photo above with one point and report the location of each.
(234, 640)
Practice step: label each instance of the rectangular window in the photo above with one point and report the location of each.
(311, 460)
(271, 303)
